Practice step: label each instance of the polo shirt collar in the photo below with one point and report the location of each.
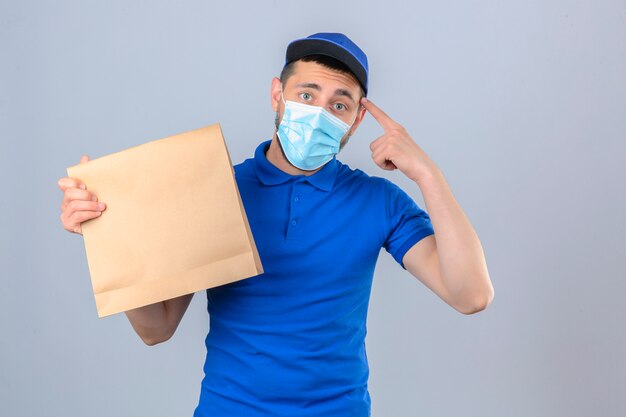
(269, 174)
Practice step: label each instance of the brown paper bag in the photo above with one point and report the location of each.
(174, 222)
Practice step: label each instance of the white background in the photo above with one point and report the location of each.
(521, 104)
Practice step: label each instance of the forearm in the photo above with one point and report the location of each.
(156, 323)
(461, 257)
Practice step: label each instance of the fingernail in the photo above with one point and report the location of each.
(101, 206)
(83, 186)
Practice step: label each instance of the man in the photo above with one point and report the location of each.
(292, 340)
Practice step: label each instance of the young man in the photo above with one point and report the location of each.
(292, 340)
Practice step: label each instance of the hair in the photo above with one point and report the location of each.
(324, 60)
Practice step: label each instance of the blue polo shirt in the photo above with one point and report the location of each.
(291, 342)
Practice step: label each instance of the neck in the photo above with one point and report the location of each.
(277, 158)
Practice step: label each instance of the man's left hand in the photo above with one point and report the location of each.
(395, 149)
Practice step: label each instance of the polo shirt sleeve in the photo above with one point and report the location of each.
(407, 223)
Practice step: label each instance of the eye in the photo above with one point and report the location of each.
(339, 107)
(305, 96)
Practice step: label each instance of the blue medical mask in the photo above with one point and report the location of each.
(309, 135)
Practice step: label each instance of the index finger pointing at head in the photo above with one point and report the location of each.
(381, 117)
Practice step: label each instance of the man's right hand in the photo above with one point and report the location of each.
(154, 323)
(78, 204)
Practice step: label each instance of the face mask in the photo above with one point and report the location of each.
(309, 135)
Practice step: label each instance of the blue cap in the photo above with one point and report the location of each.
(335, 45)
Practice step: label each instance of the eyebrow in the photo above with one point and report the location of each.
(338, 92)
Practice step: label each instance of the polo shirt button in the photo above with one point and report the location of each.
(293, 222)
(296, 199)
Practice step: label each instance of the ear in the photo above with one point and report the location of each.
(275, 93)
(359, 117)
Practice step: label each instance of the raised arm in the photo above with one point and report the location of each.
(451, 262)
